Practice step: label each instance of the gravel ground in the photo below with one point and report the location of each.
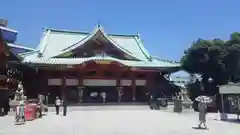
(118, 120)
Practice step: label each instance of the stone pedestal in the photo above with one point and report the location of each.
(223, 116)
(177, 106)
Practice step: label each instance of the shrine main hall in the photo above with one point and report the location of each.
(81, 66)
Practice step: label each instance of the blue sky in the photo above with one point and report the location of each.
(167, 27)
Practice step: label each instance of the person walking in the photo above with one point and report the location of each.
(104, 96)
(57, 105)
(40, 108)
(6, 106)
(202, 108)
(20, 115)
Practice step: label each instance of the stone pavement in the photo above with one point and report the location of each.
(118, 121)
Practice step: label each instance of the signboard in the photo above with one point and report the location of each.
(54, 82)
(229, 89)
(72, 82)
(141, 82)
(99, 82)
(125, 82)
(103, 62)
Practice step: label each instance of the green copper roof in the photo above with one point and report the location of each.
(59, 42)
(97, 34)
(56, 42)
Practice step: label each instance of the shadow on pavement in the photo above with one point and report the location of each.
(199, 128)
(230, 120)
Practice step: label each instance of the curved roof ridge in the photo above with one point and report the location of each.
(110, 39)
(73, 46)
(42, 45)
(141, 47)
(87, 33)
(67, 31)
(29, 53)
(155, 57)
(85, 38)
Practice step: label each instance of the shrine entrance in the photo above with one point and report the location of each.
(142, 94)
(100, 90)
(95, 82)
(54, 91)
(100, 80)
(96, 94)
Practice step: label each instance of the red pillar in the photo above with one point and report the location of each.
(80, 85)
(63, 84)
(149, 84)
(133, 86)
(81, 76)
(118, 87)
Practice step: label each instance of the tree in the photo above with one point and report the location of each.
(204, 57)
(215, 59)
(232, 57)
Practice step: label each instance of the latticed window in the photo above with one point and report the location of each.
(124, 75)
(108, 74)
(141, 76)
(3, 70)
(91, 73)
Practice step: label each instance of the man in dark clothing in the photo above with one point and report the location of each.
(64, 103)
(6, 107)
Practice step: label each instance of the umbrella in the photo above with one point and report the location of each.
(204, 99)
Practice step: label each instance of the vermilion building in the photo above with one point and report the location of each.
(81, 66)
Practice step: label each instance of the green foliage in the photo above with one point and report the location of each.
(216, 59)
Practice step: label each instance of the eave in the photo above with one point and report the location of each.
(7, 29)
(20, 46)
(79, 61)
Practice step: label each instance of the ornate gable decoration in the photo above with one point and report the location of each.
(99, 37)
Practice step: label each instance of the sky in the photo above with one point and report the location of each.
(167, 27)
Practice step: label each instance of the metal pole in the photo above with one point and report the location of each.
(238, 102)
(222, 103)
(223, 114)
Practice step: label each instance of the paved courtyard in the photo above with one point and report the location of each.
(104, 120)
